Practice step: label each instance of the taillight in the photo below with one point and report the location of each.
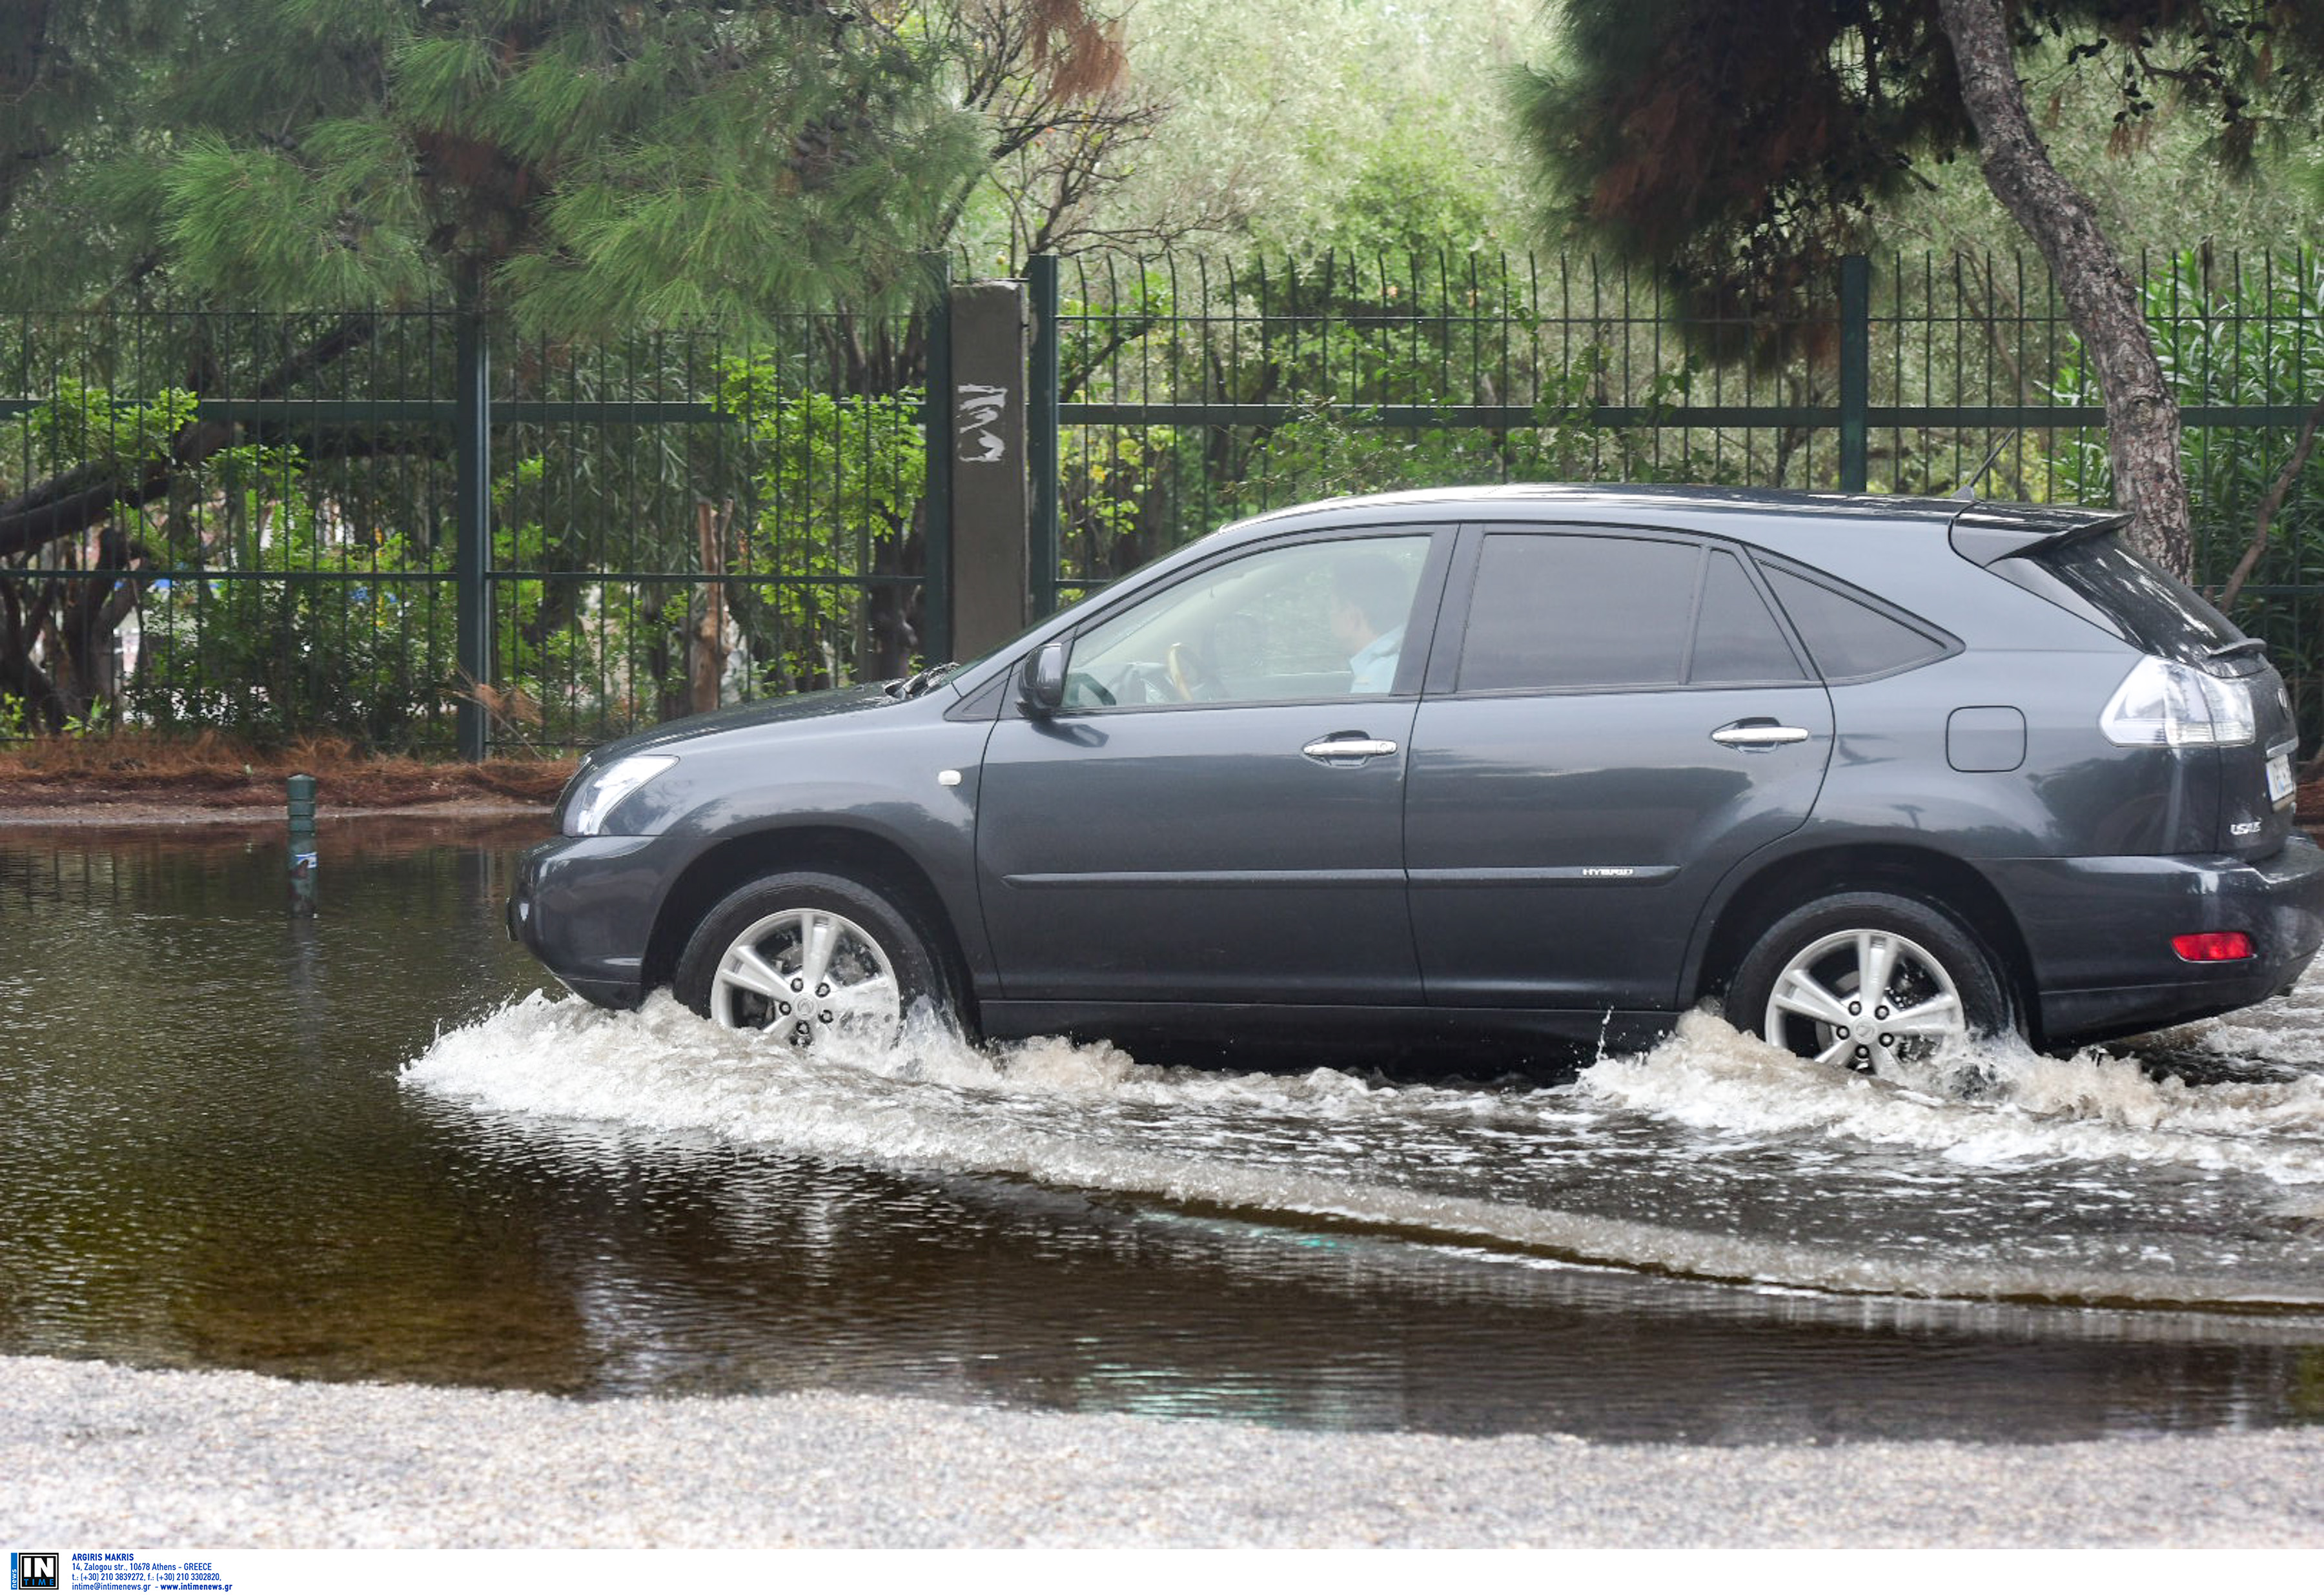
(2213, 947)
(2164, 703)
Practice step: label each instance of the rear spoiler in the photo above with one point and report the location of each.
(1982, 534)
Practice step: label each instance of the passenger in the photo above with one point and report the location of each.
(1369, 599)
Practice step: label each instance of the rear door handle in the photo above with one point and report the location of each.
(1348, 750)
(1758, 734)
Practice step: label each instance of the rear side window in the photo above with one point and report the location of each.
(1552, 611)
(1849, 639)
(1569, 610)
(2110, 585)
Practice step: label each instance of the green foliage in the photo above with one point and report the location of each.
(294, 627)
(18, 723)
(1339, 341)
(1324, 452)
(2236, 337)
(836, 485)
(317, 647)
(584, 163)
(301, 580)
(1739, 146)
(1305, 125)
(277, 620)
(83, 426)
(1743, 147)
(2154, 183)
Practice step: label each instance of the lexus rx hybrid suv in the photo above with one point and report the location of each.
(1530, 762)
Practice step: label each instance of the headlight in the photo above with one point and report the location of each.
(594, 798)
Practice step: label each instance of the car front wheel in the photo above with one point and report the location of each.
(807, 956)
(1869, 980)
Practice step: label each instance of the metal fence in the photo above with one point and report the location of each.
(398, 529)
(403, 531)
(1189, 390)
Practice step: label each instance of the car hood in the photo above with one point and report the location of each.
(803, 706)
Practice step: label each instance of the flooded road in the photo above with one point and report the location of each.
(363, 1148)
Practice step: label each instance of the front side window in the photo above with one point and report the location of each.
(1312, 621)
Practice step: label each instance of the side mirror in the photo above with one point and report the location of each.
(1041, 686)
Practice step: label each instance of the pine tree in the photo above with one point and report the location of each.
(577, 165)
(1740, 145)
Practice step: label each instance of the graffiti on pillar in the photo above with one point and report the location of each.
(977, 409)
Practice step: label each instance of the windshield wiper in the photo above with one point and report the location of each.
(919, 681)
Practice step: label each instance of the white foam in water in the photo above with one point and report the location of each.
(662, 1067)
(1994, 1105)
(931, 1099)
(1038, 1110)
(1091, 1117)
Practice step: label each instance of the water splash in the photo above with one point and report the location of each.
(1990, 1172)
(1998, 1104)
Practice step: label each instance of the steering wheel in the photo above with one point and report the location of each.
(1191, 675)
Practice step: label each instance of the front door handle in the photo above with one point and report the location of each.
(1758, 734)
(1349, 747)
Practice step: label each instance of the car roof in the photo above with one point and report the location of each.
(1676, 507)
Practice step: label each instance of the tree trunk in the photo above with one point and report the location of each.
(2141, 414)
(706, 648)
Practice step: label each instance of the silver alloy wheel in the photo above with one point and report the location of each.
(1861, 999)
(803, 973)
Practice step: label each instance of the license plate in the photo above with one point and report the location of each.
(2280, 786)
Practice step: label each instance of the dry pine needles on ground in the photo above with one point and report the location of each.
(210, 772)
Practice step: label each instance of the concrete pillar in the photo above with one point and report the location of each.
(992, 507)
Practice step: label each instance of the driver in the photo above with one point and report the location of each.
(1370, 597)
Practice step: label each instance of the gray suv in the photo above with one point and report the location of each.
(1549, 764)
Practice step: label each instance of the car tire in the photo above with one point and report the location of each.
(1802, 986)
(808, 955)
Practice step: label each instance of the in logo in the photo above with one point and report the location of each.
(34, 1570)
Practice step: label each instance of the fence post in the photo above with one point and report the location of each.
(992, 575)
(936, 496)
(1041, 441)
(1855, 372)
(472, 550)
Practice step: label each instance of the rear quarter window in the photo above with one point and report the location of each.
(1850, 637)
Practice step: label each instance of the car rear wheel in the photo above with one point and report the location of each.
(1869, 980)
(809, 956)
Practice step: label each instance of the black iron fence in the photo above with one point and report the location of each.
(1189, 392)
(390, 528)
(397, 529)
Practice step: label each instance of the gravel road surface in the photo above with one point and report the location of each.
(104, 1456)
